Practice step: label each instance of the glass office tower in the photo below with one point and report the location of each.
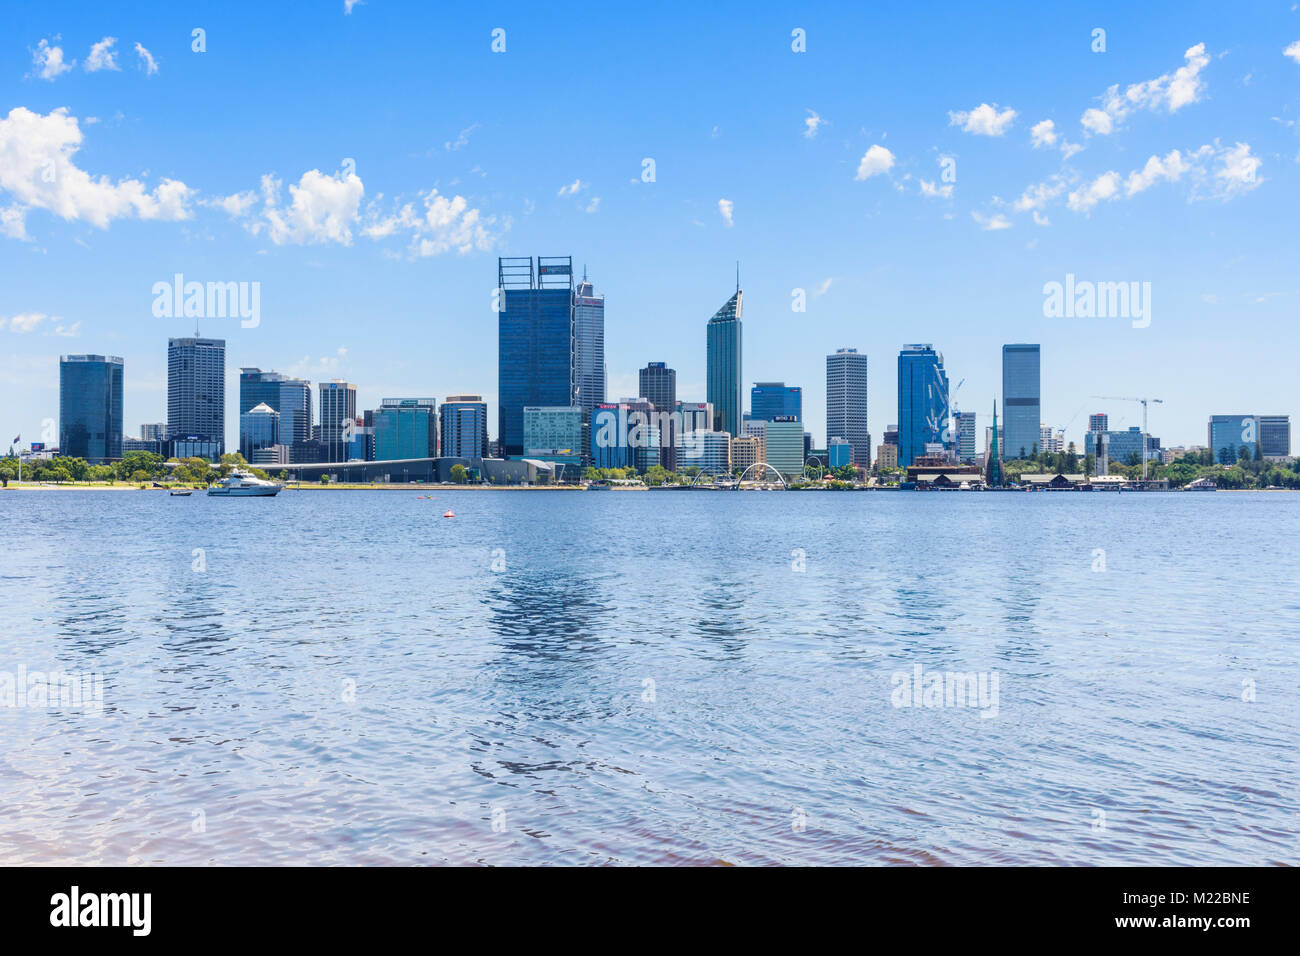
(406, 428)
(536, 342)
(338, 403)
(196, 392)
(846, 403)
(589, 345)
(922, 402)
(965, 427)
(90, 407)
(659, 387)
(724, 366)
(464, 427)
(1022, 410)
(769, 401)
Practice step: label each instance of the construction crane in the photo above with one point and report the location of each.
(1143, 401)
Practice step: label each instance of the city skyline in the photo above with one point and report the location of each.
(834, 191)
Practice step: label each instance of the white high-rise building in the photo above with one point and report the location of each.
(846, 403)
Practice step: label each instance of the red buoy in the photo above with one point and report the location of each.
(448, 514)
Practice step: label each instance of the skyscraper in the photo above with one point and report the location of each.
(1021, 400)
(406, 428)
(724, 366)
(1274, 436)
(846, 403)
(965, 424)
(1099, 422)
(295, 411)
(922, 402)
(196, 391)
(90, 407)
(464, 427)
(659, 387)
(589, 345)
(769, 401)
(338, 404)
(536, 342)
(259, 428)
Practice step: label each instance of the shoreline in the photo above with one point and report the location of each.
(394, 486)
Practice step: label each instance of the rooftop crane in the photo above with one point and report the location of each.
(1143, 401)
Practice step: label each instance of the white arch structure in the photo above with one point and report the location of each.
(765, 465)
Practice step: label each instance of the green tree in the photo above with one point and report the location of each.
(7, 474)
(459, 474)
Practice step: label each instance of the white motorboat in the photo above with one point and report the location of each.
(243, 484)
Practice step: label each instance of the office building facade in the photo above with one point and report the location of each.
(846, 403)
(922, 402)
(708, 451)
(769, 401)
(536, 342)
(196, 391)
(405, 428)
(259, 428)
(724, 362)
(659, 387)
(589, 345)
(1021, 400)
(783, 445)
(964, 425)
(553, 433)
(338, 408)
(1274, 436)
(464, 427)
(90, 407)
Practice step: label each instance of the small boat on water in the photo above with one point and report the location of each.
(243, 484)
(181, 492)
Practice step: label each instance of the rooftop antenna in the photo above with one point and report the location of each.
(737, 275)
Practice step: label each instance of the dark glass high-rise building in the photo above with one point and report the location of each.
(846, 403)
(1022, 409)
(589, 346)
(922, 402)
(769, 401)
(291, 397)
(724, 363)
(464, 427)
(196, 390)
(90, 407)
(659, 387)
(536, 342)
(338, 404)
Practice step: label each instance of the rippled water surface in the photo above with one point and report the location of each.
(344, 678)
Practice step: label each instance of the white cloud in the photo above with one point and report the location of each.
(1102, 189)
(1237, 172)
(725, 206)
(24, 322)
(572, 189)
(991, 223)
(983, 120)
(448, 224)
(594, 205)
(147, 62)
(48, 60)
(462, 140)
(1040, 219)
(1170, 169)
(928, 188)
(1044, 134)
(811, 123)
(1169, 92)
(68, 331)
(321, 208)
(1293, 51)
(38, 172)
(1097, 121)
(349, 4)
(102, 56)
(822, 289)
(876, 160)
(1037, 196)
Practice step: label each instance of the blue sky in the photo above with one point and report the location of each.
(231, 165)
